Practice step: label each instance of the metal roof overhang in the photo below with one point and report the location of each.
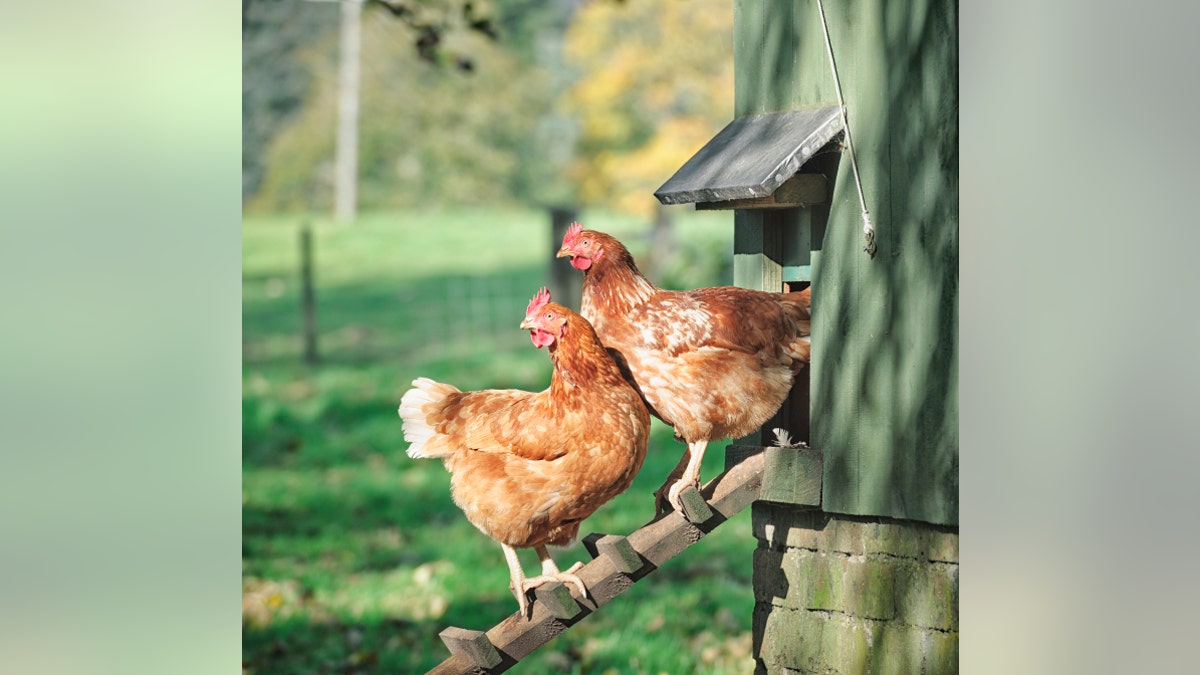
(752, 156)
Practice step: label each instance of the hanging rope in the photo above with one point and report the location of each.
(868, 230)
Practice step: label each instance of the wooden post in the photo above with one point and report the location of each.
(757, 264)
(308, 304)
(566, 284)
(758, 250)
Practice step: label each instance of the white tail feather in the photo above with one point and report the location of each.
(412, 411)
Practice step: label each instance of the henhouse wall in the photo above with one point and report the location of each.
(851, 594)
(868, 582)
(885, 350)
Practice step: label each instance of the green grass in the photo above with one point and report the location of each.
(354, 557)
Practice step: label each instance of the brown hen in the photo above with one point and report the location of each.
(527, 467)
(711, 362)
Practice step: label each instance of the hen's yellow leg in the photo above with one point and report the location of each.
(691, 475)
(516, 578)
(662, 503)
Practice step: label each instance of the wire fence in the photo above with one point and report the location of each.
(473, 308)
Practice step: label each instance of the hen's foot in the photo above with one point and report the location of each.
(522, 603)
(663, 502)
(677, 488)
(568, 577)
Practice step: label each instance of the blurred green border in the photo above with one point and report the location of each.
(119, 264)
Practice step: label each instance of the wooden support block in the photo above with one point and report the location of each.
(695, 509)
(620, 553)
(473, 644)
(557, 600)
(792, 476)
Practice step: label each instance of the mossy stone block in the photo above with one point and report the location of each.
(940, 546)
(846, 645)
(783, 526)
(941, 653)
(870, 588)
(790, 638)
(893, 538)
(898, 650)
(845, 535)
(927, 596)
(823, 575)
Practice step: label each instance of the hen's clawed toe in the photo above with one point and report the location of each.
(677, 489)
(523, 605)
(662, 502)
(568, 577)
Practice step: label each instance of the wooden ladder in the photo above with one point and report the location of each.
(618, 562)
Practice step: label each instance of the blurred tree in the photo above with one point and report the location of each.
(467, 134)
(274, 82)
(462, 118)
(657, 84)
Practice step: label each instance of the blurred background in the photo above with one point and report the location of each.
(403, 167)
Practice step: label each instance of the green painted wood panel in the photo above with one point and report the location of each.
(885, 330)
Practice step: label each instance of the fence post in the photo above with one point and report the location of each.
(566, 285)
(308, 303)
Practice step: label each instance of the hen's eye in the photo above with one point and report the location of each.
(549, 315)
(587, 242)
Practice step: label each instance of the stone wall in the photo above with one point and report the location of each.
(848, 594)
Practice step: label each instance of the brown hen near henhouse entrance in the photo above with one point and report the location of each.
(711, 362)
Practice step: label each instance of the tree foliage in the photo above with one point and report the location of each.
(275, 83)
(466, 134)
(657, 84)
(471, 101)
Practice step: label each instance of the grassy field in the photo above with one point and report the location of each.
(354, 557)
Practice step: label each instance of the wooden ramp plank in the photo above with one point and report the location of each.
(619, 562)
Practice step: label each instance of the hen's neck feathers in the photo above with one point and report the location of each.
(614, 284)
(577, 357)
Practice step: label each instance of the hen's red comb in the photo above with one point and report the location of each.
(572, 232)
(538, 301)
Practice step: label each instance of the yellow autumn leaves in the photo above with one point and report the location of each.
(657, 84)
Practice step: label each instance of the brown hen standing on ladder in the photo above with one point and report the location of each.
(711, 362)
(527, 468)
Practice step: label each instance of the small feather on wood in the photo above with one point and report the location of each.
(783, 439)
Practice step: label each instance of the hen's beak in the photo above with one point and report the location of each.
(563, 253)
(526, 324)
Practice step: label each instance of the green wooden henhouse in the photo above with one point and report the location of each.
(844, 107)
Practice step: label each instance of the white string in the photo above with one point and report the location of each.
(868, 230)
